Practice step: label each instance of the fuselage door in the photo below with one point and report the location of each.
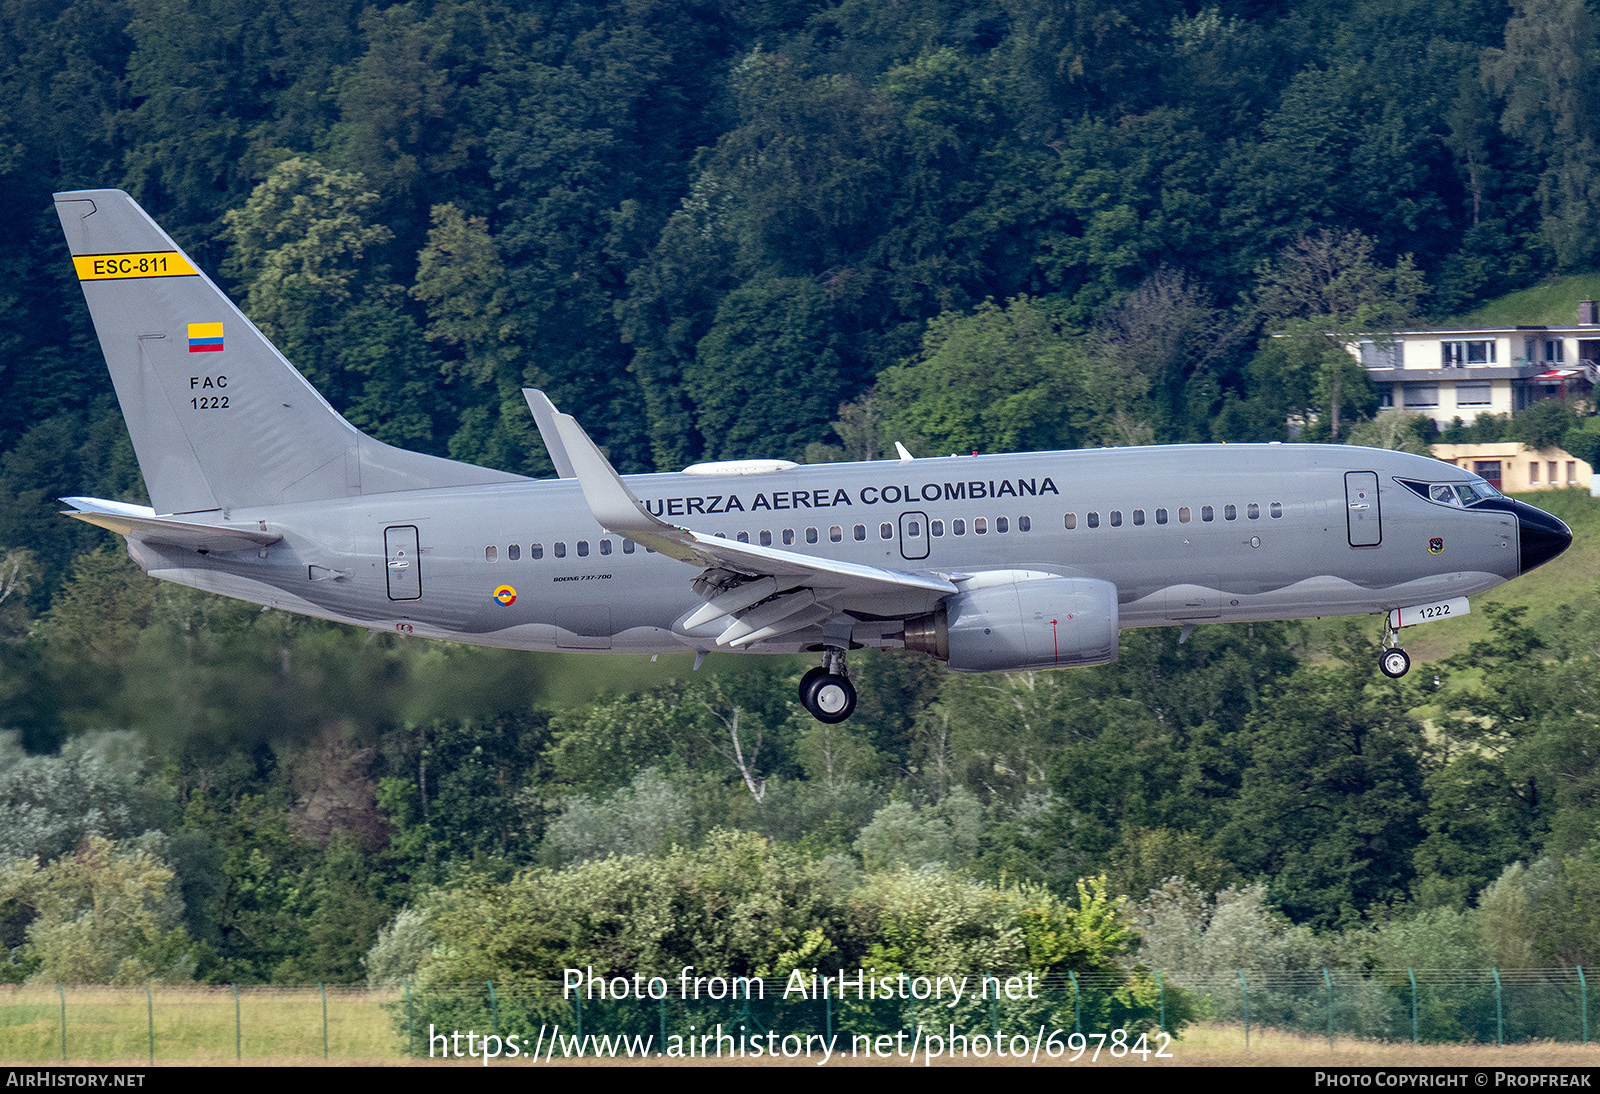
(914, 535)
(1361, 507)
(403, 562)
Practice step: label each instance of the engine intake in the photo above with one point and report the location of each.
(1053, 622)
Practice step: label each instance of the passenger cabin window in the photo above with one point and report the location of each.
(1161, 516)
(766, 538)
(1138, 516)
(536, 551)
(1072, 520)
(1094, 520)
(1024, 524)
(811, 535)
(936, 527)
(583, 548)
(1001, 524)
(560, 549)
(885, 530)
(980, 526)
(860, 532)
(788, 536)
(490, 554)
(1207, 513)
(627, 546)
(513, 552)
(605, 546)
(1253, 511)
(1230, 512)
(743, 537)
(1183, 514)
(835, 534)
(914, 529)
(1116, 518)
(1276, 509)
(958, 527)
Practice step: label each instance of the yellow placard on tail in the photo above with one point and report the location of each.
(138, 264)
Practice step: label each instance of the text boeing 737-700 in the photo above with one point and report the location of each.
(260, 490)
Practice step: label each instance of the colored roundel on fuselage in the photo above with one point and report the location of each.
(506, 595)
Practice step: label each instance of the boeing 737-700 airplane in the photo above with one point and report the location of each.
(260, 490)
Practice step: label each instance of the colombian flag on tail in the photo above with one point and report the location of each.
(205, 337)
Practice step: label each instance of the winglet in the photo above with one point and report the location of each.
(610, 501)
(905, 456)
(544, 416)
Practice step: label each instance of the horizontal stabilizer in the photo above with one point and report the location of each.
(141, 521)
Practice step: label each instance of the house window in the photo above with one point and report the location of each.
(1551, 477)
(1474, 394)
(1422, 395)
(1554, 351)
(1385, 396)
(1533, 471)
(1462, 354)
(1572, 472)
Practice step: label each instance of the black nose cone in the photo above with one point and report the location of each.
(1543, 536)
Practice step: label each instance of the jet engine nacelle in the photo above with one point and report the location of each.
(1047, 622)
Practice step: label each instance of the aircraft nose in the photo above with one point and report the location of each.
(1543, 536)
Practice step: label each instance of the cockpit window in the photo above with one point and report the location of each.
(1456, 494)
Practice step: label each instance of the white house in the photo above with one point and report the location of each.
(1447, 374)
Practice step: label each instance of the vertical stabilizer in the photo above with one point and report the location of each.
(218, 417)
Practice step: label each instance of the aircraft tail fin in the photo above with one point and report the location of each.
(219, 418)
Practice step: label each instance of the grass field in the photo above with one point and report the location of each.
(1550, 303)
(195, 1026)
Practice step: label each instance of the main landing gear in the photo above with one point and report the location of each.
(826, 691)
(1393, 661)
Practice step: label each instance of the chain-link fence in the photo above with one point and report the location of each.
(40, 1023)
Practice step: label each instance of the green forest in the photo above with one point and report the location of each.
(798, 229)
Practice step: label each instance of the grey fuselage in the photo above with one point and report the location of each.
(1286, 551)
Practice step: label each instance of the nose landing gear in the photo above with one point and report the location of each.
(826, 691)
(1393, 661)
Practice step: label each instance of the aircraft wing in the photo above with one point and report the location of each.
(766, 590)
(141, 521)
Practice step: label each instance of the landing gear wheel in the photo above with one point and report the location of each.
(830, 699)
(807, 680)
(1394, 663)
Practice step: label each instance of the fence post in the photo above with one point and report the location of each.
(1077, 1003)
(1246, 985)
(411, 1022)
(1583, 1004)
(150, 1019)
(494, 1011)
(1163, 989)
(1328, 980)
(238, 1038)
(1413, 977)
(63, 1022)
(1499, 1011)
(324, 993)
